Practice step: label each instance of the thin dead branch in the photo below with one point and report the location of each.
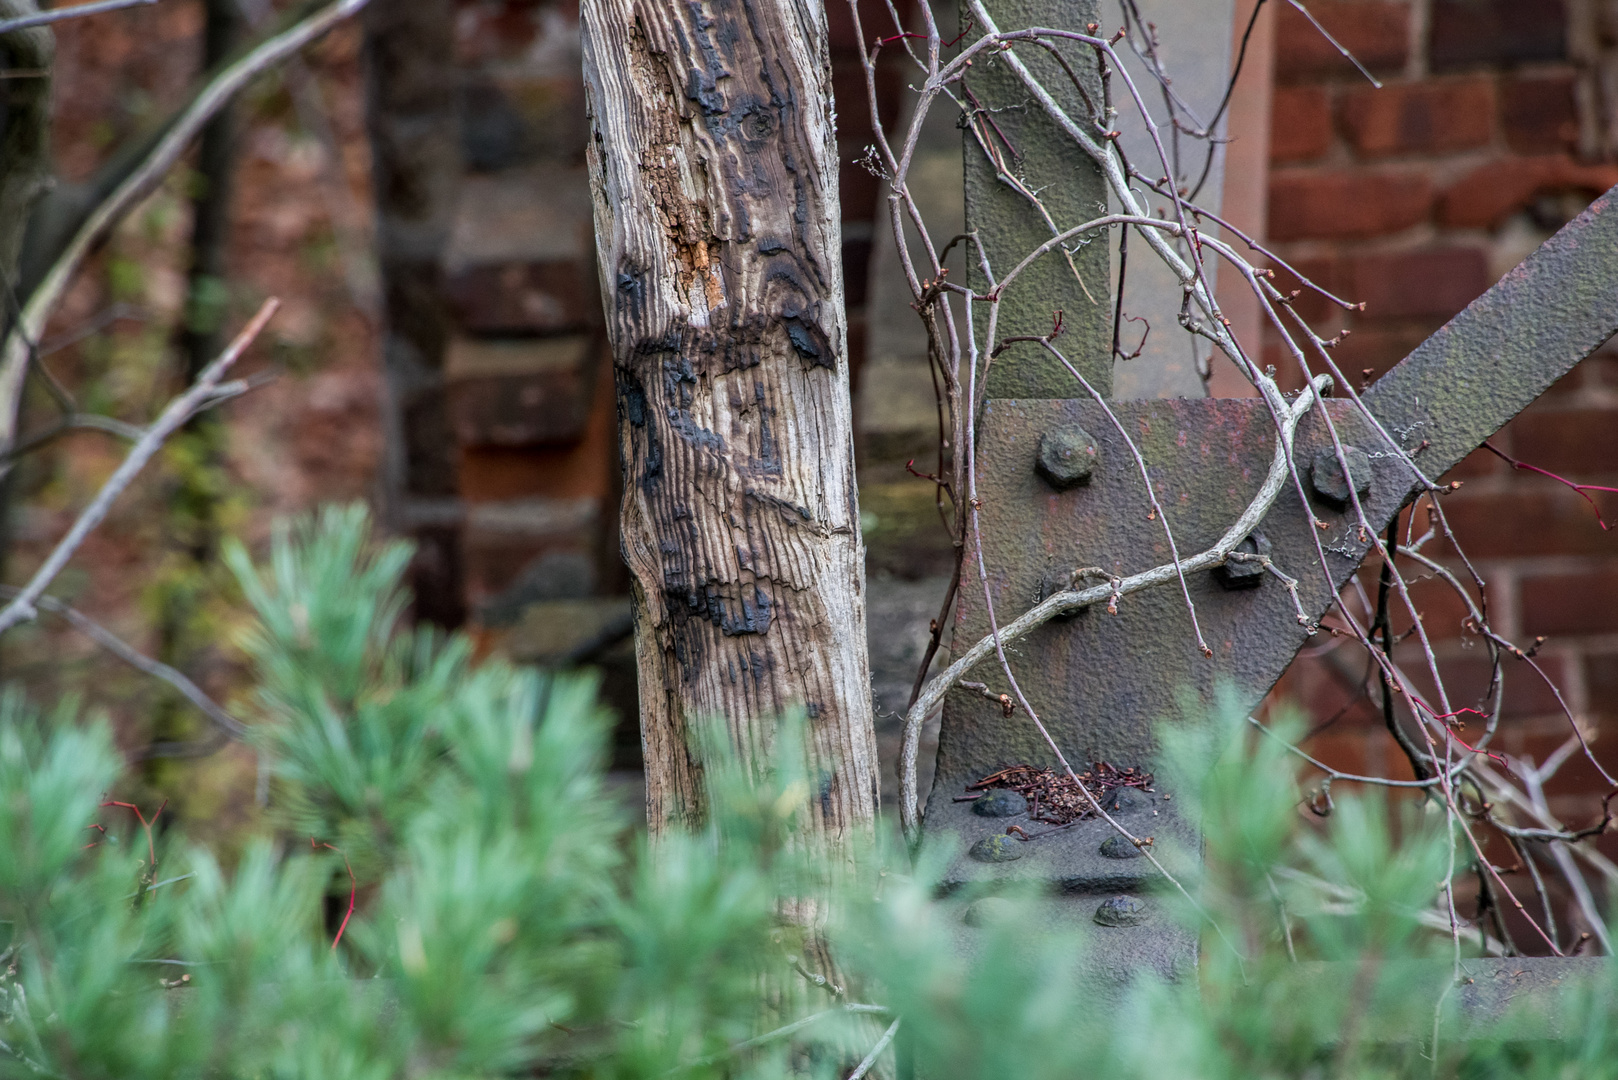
(24, 335)
(77, 11)
(205, 393)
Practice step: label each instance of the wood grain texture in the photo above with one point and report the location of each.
(713, 163)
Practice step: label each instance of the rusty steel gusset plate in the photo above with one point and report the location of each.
(1099, 681)
(1102, 682)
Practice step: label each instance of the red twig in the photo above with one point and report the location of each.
(977, 107)
(1490, 754)
(1581, 490)
(910, 467)
(353, 888)
(151, 848)
(1144, 335)
(923, 37)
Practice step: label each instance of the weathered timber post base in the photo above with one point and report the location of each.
(714, 168)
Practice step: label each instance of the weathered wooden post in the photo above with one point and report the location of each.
(713, 163)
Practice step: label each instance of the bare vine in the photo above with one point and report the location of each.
(1476, 786)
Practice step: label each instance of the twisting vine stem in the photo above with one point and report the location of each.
(1443, 760)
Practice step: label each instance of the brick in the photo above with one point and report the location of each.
(1346, 750)
(505, 541)
(1526, 521)
(1419, 118)
(538, 213)
(1300, 124)
(1479, 463)
(523, 392)
(587, 469)
(1310, 683)
(1394, 764)
(1489, 194)
(429, 470)
(541, 297)
(511, 120)
(1375, 32)
(490, 33)
(1527, 702)
(1539, 115)
(1464, 33)
(875, 21)
(1436, 283)
(1378, 348)
(1346, 206)
(858, 191)
(856, 270)
(1578, 442)
(435, 576)
(1601, 683)
(550, 630)
(1601, 370)
(1577, 777)
(1442, 612)
(1571, 603)
(1526, 693)
(840, 33)
(1325, 273)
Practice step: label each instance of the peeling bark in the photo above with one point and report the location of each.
(714, 172)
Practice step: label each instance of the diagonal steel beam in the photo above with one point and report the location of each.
(1492, 360)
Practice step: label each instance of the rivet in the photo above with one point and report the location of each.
(1067, 457)
(1124, 799)
(999, 803)
(1121, 911)
(997, 848)
(1241, 573)
(1116, 847)
(1326, 474)
(989, 911)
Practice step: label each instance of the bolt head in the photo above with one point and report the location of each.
(1067, 457)
(999, 803)
(1245, 575)
(1053, 582)
(1326, 474)
(990, 911)
(1116, 847)
(1121, 800)
(1121, 911)
(997, 848)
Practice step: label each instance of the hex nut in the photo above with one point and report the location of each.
(1053, 582)
(997, 848)
(989, 911)
(1121, 911)
(1124, 799)
(1116, 847)
(1240, 574)
(1326, 474)
(1067, 457)
(999, 803)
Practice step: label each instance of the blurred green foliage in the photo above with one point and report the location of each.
(508, 920)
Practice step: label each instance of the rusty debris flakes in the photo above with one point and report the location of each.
(1054, 798)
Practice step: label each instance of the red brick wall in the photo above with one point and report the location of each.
(1414, 198)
